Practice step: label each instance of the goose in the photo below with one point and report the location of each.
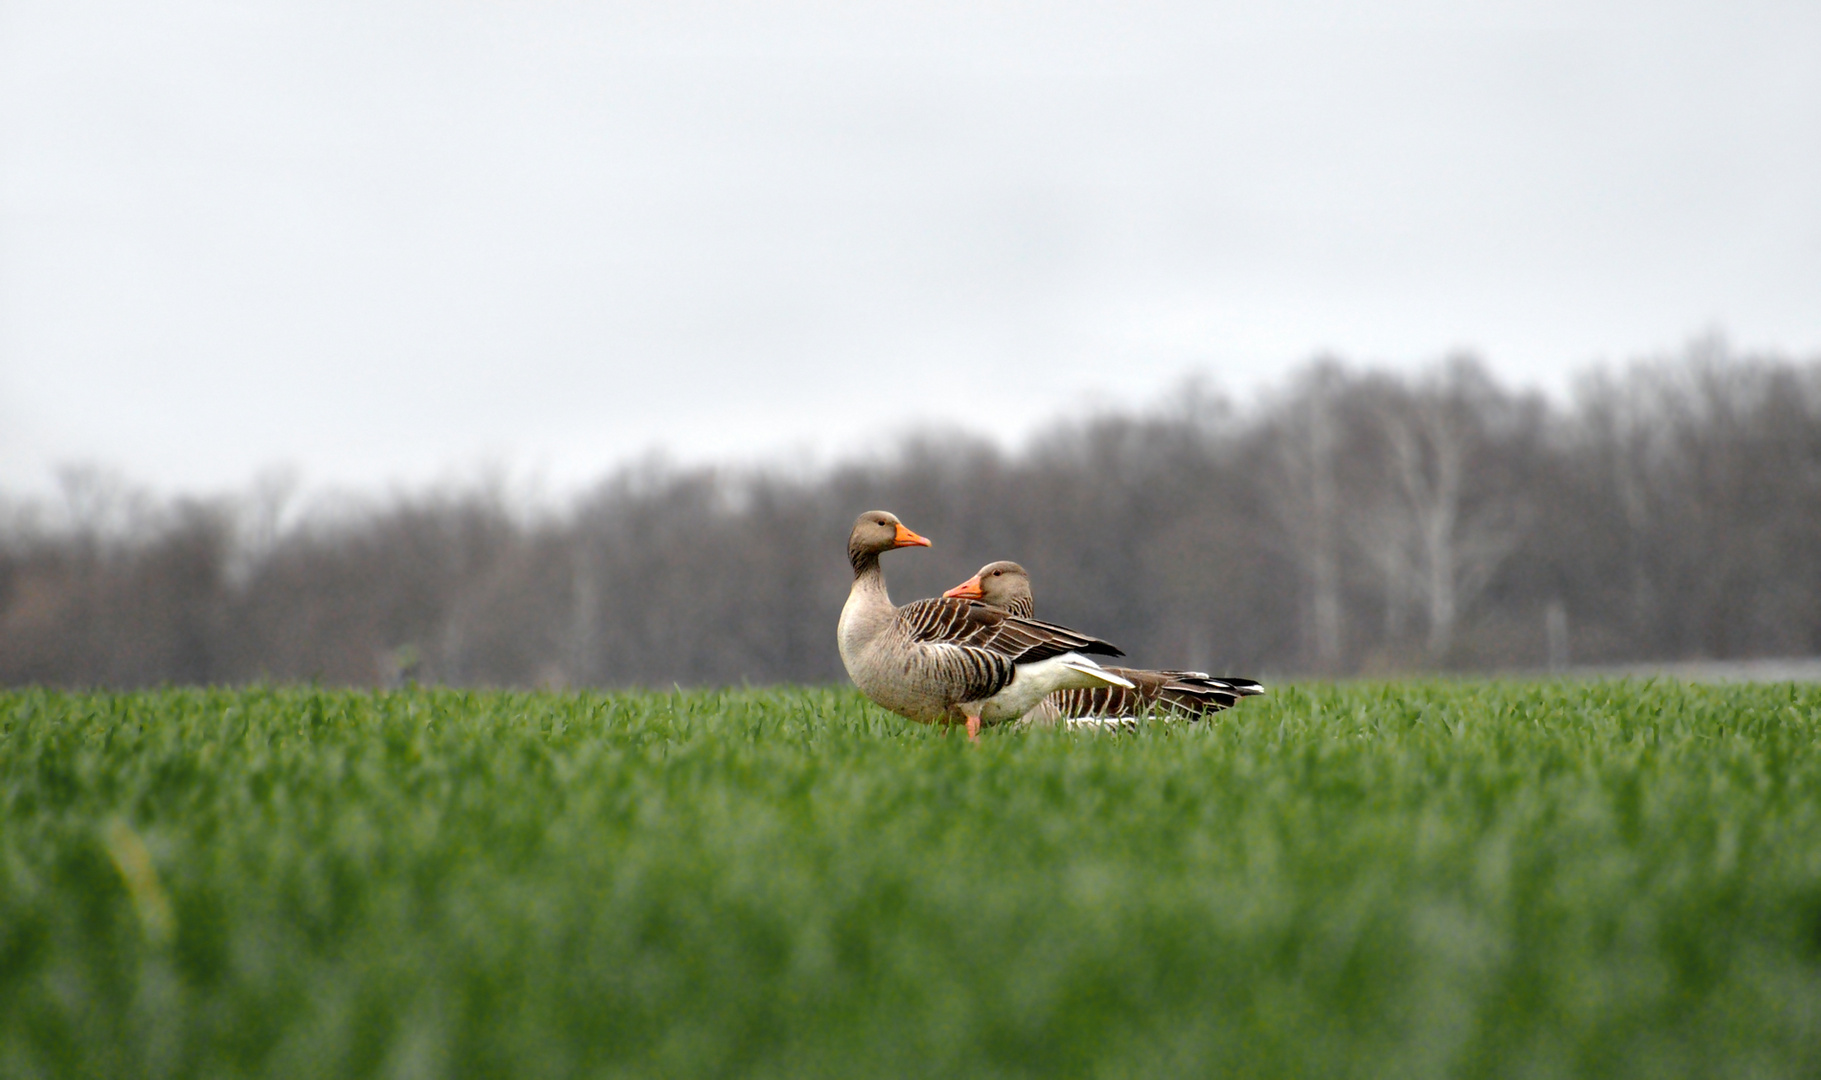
(943, 661)
(1193, 694)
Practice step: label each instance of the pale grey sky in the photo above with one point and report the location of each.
(384, 241)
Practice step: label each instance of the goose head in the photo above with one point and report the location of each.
(1002, 584)
(877, 531)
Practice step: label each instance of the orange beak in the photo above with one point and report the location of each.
(906, 538)
(967, 590)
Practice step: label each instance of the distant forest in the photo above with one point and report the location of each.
(1347, 522)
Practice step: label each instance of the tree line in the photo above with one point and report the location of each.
(1347, 522)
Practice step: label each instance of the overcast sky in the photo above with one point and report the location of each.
(387, 241)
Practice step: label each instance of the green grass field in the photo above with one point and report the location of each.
(1400, 880)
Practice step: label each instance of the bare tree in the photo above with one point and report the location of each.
(1431, 539)
(1306, 501)
(1355, 521)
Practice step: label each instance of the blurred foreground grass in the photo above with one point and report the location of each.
(1407, 879)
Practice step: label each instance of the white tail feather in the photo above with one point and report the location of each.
(1095, 671)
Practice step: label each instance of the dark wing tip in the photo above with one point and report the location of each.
(1074, 640)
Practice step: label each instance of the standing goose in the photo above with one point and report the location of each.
(946, 661)
(1192, 694)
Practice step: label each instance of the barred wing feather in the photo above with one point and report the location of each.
(971, 624)
(1184, 693)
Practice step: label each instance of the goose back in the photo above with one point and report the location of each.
(1006, 586)
(938, 654)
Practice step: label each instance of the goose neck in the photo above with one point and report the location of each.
(869, 578)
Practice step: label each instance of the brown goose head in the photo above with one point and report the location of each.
(877, 531)
(1002, 584)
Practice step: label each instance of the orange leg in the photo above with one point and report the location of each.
(973, 729)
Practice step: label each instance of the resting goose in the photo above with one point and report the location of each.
(945, 661)
(1006, 586)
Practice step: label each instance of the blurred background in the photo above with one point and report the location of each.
(560, 344)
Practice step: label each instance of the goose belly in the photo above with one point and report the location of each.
(906, 697)
(894, 682)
